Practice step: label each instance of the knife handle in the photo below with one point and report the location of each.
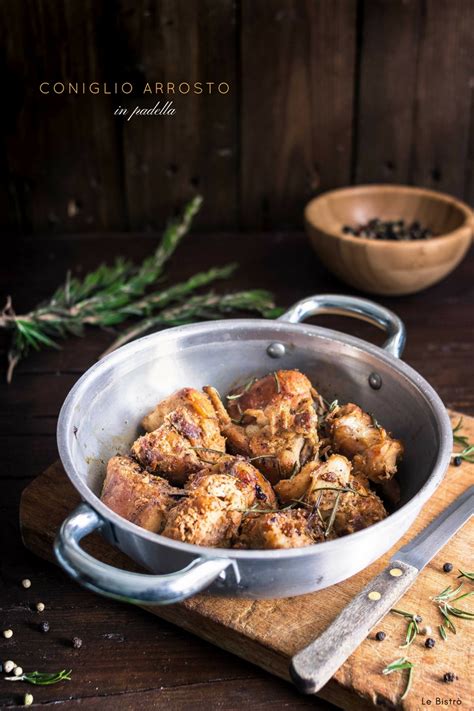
(311, 668)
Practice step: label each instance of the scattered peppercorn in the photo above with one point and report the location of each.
(426, 630)
(388, 229)
(28, 699)
(7, 634)
(26, 583)
(418, 618)
(430, 643)
(44, 626)
(18, 671)
(447, 567)
(380, 636)
(40, 606)
(76, 642)
(457, 461)
(449, 677)
(8, 666)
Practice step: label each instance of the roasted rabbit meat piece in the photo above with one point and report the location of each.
(356, 511)
(355, 434)
(280, 529)
(316, 482)
(186, 438)
(272, 419)
(195, 402)
(202, 520)
(236, 481)
(139, 497)
(216, 499)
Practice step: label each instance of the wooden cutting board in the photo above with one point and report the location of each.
(269, 632)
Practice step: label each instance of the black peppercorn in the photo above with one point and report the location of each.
(44, 626)
(380, 636)
(457, 461)
(418, 618)
(449, 677)
(447, 567)
(430, 643)
(76, 642)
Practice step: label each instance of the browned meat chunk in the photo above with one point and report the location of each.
(273, 419)
(315, 481)
(194, 401)
(139, 497)
(217, 498)
(282, 529)
(204, 521)
(357, 511)
(184, 440)
(355, 434)
(235, 481)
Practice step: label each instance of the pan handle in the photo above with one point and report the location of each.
(139, 588)
(358, 308)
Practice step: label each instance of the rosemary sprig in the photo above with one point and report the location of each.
(412, 628)
(245, 389)
(445, 600)
(467, 453)
(277, 382)
(42, 678)
(400, 665)
(113, 294)
(332, 516)
(464, 574)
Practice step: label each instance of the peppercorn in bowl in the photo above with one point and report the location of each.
(389, 239)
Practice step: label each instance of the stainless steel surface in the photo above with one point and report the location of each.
(123, 584)
(101, 414)
(421, 549)
(362, 309)
(313, 666)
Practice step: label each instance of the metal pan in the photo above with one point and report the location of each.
(100, 415)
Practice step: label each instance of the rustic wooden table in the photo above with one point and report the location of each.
(128, 658)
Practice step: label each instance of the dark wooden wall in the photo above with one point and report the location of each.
(324, 93)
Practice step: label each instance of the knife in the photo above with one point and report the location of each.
(314, 665)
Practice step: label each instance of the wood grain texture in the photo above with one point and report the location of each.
(387, 89)
(323, 93)
(168, 159)
(445, 70)
(63, 167)
(298, 62)
(270, 632)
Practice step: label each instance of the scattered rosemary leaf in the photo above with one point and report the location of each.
(467, 453)
(464, 574)
(442, 632)
(400, 665)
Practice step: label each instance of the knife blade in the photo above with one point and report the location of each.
(423, 547)
(314, 665)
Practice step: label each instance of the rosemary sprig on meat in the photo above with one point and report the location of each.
(113, 294)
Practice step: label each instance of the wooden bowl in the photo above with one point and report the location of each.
(385, 266)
